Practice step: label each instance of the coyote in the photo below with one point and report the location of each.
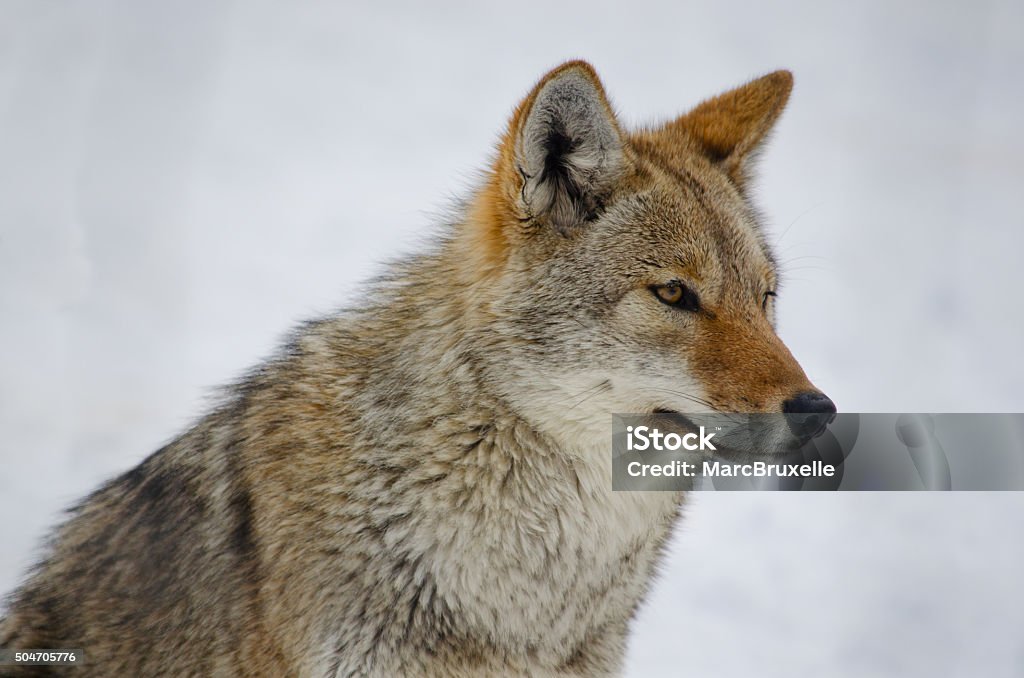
(420, 485)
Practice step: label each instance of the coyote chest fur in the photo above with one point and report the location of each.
(420, 486)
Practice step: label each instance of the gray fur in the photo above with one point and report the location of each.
(421, 486)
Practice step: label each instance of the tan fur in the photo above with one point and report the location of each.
(420, 486)
(729, 127)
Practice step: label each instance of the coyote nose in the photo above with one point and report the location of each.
(808, 414)
(809, 402)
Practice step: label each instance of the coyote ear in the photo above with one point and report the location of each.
(565, 148)
(729, 127)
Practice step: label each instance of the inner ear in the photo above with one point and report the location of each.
(568, 150)
(558, 148)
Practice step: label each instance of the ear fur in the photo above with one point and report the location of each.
(564, 153)
(566, 149)
(729, 128)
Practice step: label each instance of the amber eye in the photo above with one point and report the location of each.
(678, 295)
(671, 293)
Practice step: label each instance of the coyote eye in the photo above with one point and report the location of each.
(764, 299)
(677, 295)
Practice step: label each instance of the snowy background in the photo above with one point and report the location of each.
(181, 182)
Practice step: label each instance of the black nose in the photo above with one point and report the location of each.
(809, 402)
(808, 414)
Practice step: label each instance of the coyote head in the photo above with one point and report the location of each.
(625, 271)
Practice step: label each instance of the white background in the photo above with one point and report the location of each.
(181, 182)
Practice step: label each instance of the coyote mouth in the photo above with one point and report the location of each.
(675, 416)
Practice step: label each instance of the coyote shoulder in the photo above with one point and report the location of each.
(420, 486)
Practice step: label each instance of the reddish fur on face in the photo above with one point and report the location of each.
(744, 366)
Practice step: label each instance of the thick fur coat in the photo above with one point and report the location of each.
(421, 486)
